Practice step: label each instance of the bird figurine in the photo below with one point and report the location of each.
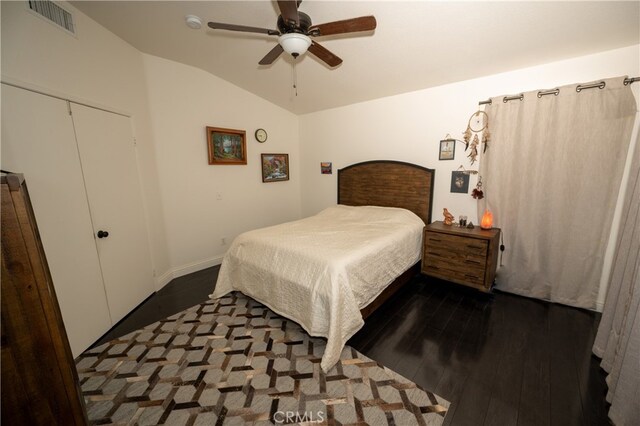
(448, 217)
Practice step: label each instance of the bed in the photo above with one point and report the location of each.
(329, 271)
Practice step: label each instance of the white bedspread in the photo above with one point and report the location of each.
(320, 271)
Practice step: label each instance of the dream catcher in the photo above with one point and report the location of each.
(478, 123)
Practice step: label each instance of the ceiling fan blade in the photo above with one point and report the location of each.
(272, 55)
(233, 27)
(363, 23)
(324, 55)
(289, 11)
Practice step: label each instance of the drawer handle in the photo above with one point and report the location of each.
(431, 253)
(475, 247)
(475, 262)
(471, 276)
(435, 240)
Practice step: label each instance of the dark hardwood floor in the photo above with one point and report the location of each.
(500, 359)
(180, 294)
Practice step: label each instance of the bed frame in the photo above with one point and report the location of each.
(388, 184)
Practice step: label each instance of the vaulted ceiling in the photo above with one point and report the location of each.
(416, 45)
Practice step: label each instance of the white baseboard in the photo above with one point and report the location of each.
(166, 278)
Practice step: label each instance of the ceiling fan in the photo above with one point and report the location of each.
(295, 31)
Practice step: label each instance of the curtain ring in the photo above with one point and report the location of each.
(600, 85)
(542, 93)
(513, 98)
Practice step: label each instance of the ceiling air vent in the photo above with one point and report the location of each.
(53, 13)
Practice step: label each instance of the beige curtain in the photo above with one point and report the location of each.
(551, 177)
(618, 338)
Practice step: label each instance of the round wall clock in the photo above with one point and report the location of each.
(261, 135)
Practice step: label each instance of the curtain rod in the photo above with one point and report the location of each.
(555, 91)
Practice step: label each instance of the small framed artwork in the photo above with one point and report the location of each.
(226, 146)
(460, 182)
(447, 149)
(325, 168)
(275, 167)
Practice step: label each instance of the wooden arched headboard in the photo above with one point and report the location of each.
(388, 184)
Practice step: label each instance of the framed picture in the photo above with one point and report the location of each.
(325, 168)
(275, 167)
(447, 149)
(226, 146)
(460, 182)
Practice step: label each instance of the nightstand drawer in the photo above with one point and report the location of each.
(459, 266)
(452, 243)
(459, 276)
(455, 255)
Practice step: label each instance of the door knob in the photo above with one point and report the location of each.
(102, 234)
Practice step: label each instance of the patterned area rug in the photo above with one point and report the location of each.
(233, 361)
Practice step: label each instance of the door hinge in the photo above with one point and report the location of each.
(69, 107)
(135, 142)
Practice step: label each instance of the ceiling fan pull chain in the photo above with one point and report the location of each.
(294, 77)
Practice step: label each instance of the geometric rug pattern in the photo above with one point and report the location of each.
(233, 361)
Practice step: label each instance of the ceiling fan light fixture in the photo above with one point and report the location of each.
(294, 44)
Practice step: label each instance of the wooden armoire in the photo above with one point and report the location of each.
(39, 380)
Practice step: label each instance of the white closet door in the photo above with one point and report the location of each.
(108, 157)
(38, 140)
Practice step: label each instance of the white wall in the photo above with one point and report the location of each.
(408, 127)
(96, 68)
(183, 101)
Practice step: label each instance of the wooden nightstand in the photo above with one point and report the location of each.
(461, 255)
